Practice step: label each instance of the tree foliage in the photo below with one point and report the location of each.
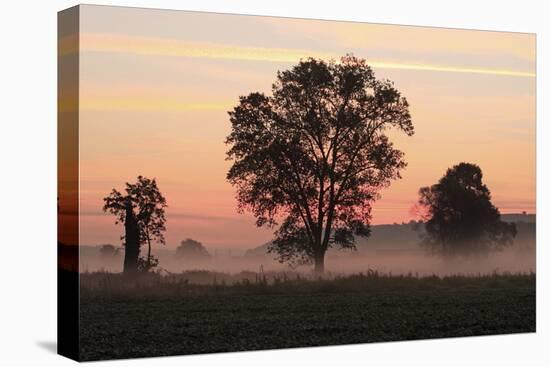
(147, 206)
(460, 218)
(312, 157)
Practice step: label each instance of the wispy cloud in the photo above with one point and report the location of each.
(149, 104)
(116, 43)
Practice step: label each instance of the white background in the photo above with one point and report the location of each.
(28, 183)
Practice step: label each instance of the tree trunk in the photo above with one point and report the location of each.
(131, 246)
(148, 252)
(319, 263)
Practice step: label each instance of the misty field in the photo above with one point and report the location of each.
(203, 312)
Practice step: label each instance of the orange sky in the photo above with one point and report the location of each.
(155, 88)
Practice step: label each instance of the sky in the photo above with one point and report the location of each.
(156, 85)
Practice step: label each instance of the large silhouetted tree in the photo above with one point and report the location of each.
(459, 216)
(312, 157)
(142, 210)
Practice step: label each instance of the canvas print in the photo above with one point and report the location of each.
(235, 183)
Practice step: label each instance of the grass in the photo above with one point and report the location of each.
(185, 314)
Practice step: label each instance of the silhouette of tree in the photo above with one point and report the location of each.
(142, 210)
(459, 216)
(108, 251)
(191, 249)
(314, 155)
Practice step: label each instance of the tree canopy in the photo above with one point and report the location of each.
(312, 157)
(460, 217)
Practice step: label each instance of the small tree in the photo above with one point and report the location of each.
(314, 155)
(142, 210)
(108, 251)
(459, 216)
(191, 249)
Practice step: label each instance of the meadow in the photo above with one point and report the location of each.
(205, 312)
